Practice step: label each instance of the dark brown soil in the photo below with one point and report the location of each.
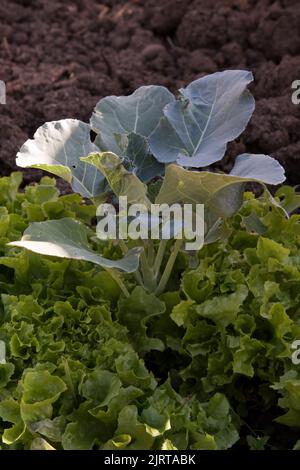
(59, 57)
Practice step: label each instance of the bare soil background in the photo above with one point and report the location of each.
(59, 57)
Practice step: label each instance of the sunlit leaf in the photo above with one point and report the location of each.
(57, 147)
(68, 238)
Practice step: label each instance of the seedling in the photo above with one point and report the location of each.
(145, 141)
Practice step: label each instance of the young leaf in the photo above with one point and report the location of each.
(121, 181)
(139, 112)
(42, 387)
(211, 112)
(57, 147)
(223, 309)
(221, 194)
(68, 238)
(134, 149)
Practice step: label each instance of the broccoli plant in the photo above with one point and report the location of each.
(149, 147)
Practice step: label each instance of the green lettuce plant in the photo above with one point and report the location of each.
(71, 374)
(206, 365)
(149, 145)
